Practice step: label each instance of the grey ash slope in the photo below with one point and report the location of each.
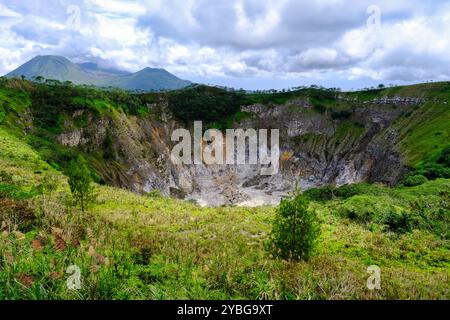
(62, 69)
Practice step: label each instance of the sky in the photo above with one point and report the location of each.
(251, 44)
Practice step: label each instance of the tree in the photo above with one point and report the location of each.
(39, 79)
(295, 229)
(80, 182)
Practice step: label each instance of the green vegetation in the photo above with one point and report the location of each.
(425, 133)
(319, 97)
(202, 103)
(80, 183)
(295, 229)
(135, 247)
(349, 128)
(130, 246)
(439, 167)
(402, 209)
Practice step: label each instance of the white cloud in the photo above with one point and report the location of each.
(288, 39)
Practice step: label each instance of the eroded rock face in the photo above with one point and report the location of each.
(316, 150)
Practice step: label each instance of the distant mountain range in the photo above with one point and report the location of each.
(62, 69)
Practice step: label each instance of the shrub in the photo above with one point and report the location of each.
(397, 220)
(295, 229)
(359, 208)
(329, 192)
(434, 171)
(414, 180)
(80, 182)
(444, 158)
(13, 191)
(155, 193)
(324, 193)
(350, 190)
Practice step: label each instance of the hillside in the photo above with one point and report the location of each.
(149, 79)
(148, 245)
(62, 69)
(55, 68)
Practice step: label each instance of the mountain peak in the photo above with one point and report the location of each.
(62, 69)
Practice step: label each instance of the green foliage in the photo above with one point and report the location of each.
(13, 191)
(324, 193)
(397, 220)
(155, 193)
(329, 192)
(414, 180)
(295, 229)
(202, 103)
(228, 122)
(146, 247)
(52, 152)
(435, 169)
(433, 215)
(108, 147)
(318, 96)
(362, 208)
(348, 128)
(444, 158)
(80, 182)
(424, 133)
(424, 207)
(5, 176)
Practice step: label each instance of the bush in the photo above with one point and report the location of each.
(398, 220)
(295, 229)
(324, 193)
(434, 171)
(80, 182)
(381, 210)
(329, 192)
(361, 208)
(155, 193)
(12, 191)
(414, 180)
(432, 216)
(444, 158)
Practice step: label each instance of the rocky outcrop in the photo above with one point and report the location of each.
(316, 150)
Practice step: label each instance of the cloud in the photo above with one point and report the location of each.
(237, 39)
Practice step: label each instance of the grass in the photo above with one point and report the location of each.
(129, 246)
(349, 128)
(136, 247)
(425, 133)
